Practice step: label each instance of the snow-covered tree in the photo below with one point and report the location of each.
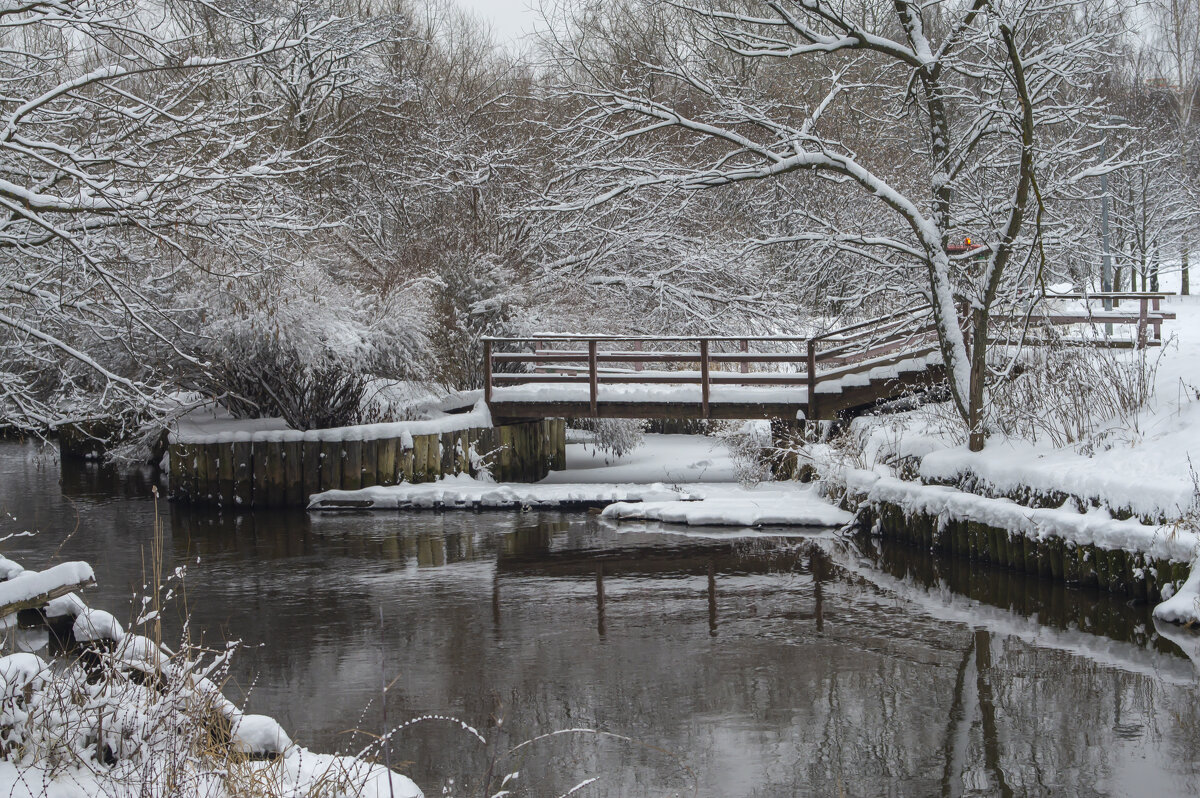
(131, 153)
(950, 117)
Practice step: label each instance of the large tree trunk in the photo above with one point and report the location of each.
(1184, 285)
(979, 328)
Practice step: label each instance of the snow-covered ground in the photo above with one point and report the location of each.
(1146, 464)
(1143, 464)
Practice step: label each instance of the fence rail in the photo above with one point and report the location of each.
(812, 363)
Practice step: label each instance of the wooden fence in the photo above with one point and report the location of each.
(263, 470)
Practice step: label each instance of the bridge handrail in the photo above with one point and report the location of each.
(880, 341)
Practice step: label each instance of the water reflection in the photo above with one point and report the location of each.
(770, 666)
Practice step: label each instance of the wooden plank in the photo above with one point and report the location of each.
(487, 371)
(370, 463)
(385, 467)
(41, 599)
(811, 381)
(294, 493)
(660, 378)
(880, 362)
(351, 465)
(420, 458)
(504, 413)
(225, 470)
(258, 454)
(640, 358)
(406, 464)
(243, 474)
(177, 487)
(593, 384)
(331, 465)
(462, 454)
(446, 464)
(311, 464)
(212, 476)
(276, 489)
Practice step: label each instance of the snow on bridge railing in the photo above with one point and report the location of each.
(1149, 315)
(782, 361)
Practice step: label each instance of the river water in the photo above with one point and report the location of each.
(706, 662)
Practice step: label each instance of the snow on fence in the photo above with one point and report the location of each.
(283, 468)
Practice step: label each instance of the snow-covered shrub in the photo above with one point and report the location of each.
(473, 299)
(751, 448)
(1074, 394)
(616, 436)
(298, 344)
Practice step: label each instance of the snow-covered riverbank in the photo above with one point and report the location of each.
(1138, 467)
(120, 714)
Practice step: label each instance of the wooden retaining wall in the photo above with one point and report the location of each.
(272, 473)
(1117, 571)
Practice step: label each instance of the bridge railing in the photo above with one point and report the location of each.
(779, 361)
(819, 363)
(1146, 319)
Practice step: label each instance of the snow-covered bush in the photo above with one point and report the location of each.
(1074, 394)
(473, 298)
(301, 345)
(130, 718)
(751, 448)
(616, 436)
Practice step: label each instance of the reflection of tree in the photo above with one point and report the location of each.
(987, 709)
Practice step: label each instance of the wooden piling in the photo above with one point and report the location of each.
(225, 469)
(294, 494)
(385, 463)
(331, 465)
(406, 463)
(351, 465)
(311, 467)
(275, 476)
(243, 474)
(370, 463)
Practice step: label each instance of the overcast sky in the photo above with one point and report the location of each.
(510, 18)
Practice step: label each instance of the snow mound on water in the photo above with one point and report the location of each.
(1184, 606)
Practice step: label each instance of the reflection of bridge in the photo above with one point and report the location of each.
(819, 377)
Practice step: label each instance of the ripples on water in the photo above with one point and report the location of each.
(771, 665)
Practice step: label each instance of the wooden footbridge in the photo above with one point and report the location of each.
(826, 376)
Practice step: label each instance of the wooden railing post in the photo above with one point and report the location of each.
(487, 372)
(745, 351)
(704, 376)
(637, 347)
(812, 380)
(593, 378)
(1143, 304)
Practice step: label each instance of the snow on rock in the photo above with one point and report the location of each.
(28, 585)
(365, 780)
(1184, 606)
(96, 625)
(791, 506)
(16, 672)
(259, 734)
